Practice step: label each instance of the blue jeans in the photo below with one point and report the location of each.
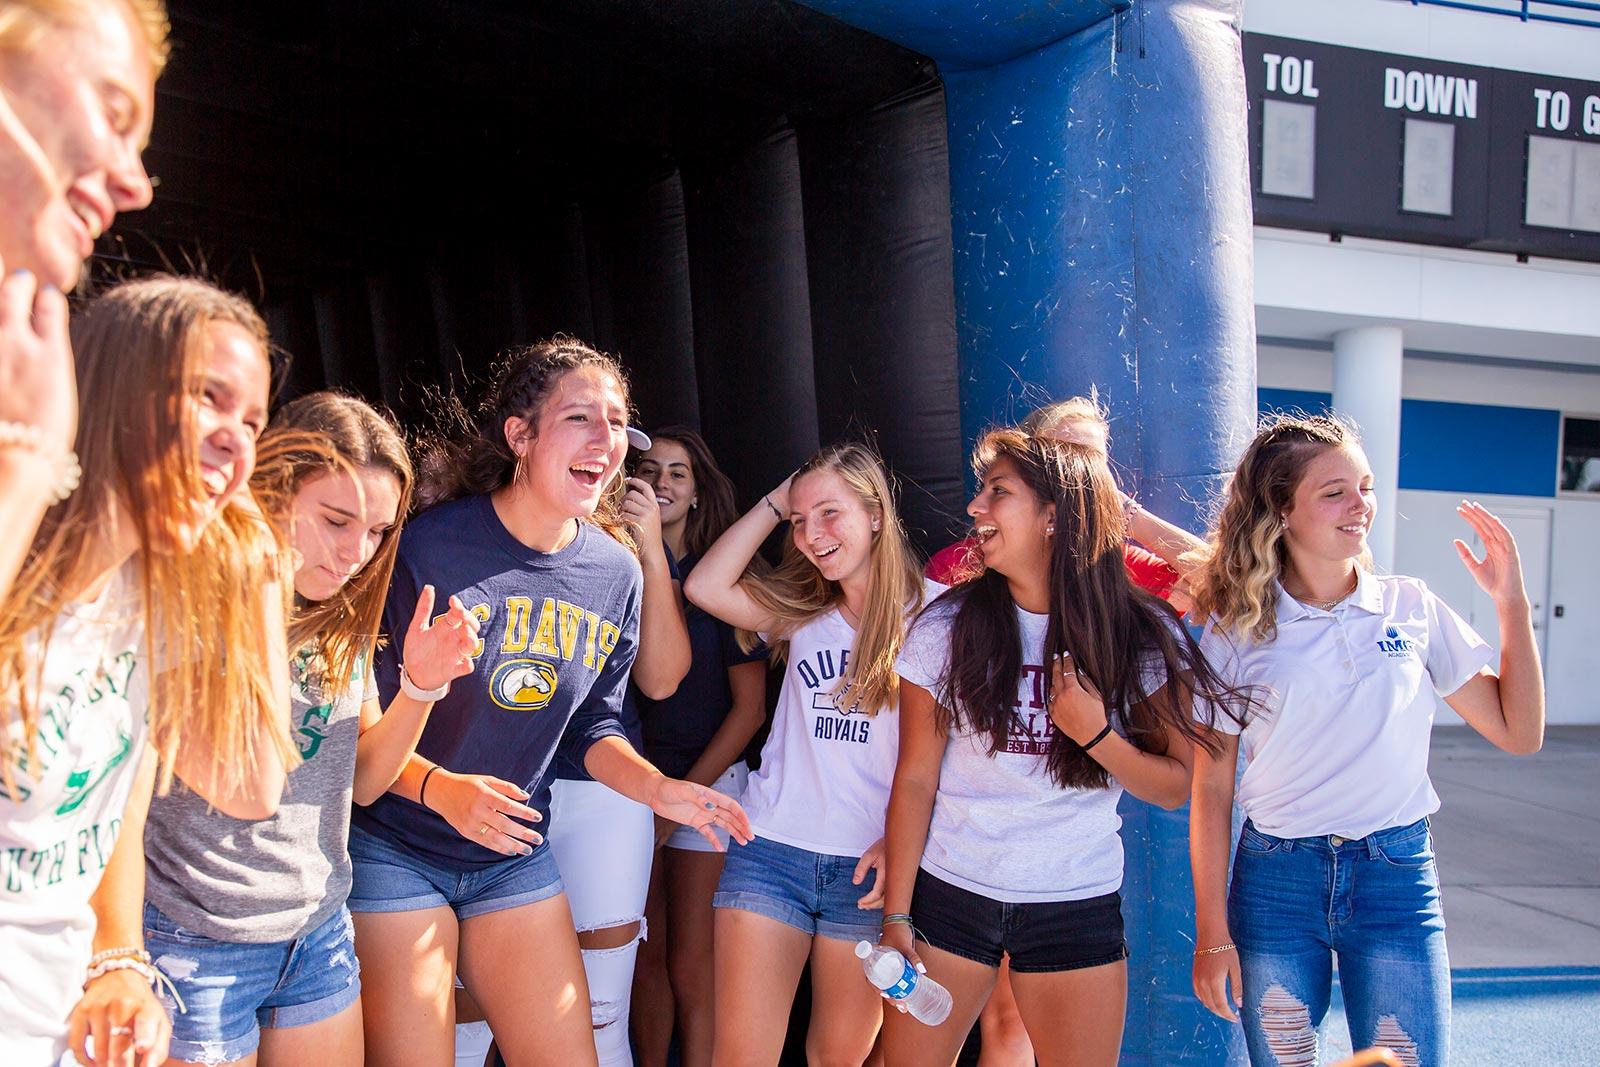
(1295, 903)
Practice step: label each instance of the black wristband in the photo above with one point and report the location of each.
(768, 501)
(1099, 737)
(422, 791)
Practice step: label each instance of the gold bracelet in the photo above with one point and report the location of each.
(1229, 947)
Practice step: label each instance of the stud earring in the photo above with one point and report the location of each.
(1050, 531)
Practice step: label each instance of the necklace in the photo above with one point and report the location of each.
(1329, 605)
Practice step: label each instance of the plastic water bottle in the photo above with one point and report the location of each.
(926, 1000)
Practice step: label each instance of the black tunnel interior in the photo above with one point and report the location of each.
(746, 200)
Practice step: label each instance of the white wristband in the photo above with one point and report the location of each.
(422, 696)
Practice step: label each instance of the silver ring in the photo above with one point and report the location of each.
(121, 1031)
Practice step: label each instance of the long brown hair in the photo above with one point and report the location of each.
(327, 433)
(796, 592)
(468, 454)
(714, 509)
(1237, 579)
(141, 359)
(1117, 635)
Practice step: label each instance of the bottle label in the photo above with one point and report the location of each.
(902, 988)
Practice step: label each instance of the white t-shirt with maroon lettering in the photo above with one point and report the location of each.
(1002, 827)
(825, 773)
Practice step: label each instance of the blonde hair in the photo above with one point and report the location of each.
(796, 592)
(1238, 573)
(141, 360)
(1047, 421)
(24, 23)
(326, 433)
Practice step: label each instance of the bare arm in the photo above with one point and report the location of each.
(1210, 848)
(1171, 542)
(749, 684)
(119, 1009)
(714, 582)
(435, 653)
(1507, 709)
(1159, 778)
(916, 784)
(664, 652)
(38, 395)
(613, 762)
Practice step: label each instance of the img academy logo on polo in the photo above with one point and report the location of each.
(1395, 644)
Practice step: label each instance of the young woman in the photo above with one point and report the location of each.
(1335, 859)
(606, 841)
(448, 870)
(1031, 696)
(248, 918)
(1158, 568)
(699, 733)
(157, 550)
(835, 612)
(1078, 420)
(77, 89)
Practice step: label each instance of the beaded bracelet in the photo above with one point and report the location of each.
(119, 953)
(148, 971)
(65, 463)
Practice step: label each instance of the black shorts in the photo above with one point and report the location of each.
(1059, 935)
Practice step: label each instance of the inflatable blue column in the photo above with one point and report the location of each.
(1101, 207)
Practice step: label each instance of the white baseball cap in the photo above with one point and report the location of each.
(638, 439)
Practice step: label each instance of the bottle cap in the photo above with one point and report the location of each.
(863, 949)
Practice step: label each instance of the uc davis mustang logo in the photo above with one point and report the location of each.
(523, 684)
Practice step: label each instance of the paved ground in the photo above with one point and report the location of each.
(1518, 841)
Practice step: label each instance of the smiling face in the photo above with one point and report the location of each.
(338, 522)
(832, 526)
(1011, 522)
(229, 414)
(670, 472)
(576, 445)
(1332, 509)
(84, 95)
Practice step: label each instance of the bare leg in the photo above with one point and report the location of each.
(908, 1043)
(1005, 1039)
(693, 878)
(758, 967)
(408, 970)
(523, 968)
(333, 1042)
(845, 1010)
(653, 1005)
(1075, 1017)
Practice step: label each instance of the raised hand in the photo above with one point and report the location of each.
(439, 651)
(1075, 705)
(641, 512)
(694, 805)
(38, 382)
(1499, 572)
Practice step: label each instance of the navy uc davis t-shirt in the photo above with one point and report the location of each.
(558, 633)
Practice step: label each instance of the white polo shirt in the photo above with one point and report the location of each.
(1341, 744)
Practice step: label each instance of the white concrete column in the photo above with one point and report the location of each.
(1366, 388)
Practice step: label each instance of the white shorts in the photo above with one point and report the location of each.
(731, 783)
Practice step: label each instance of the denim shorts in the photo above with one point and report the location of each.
(1295, 904)
(809, 891)
(231, 990)
(391, 877)
(1043, 937)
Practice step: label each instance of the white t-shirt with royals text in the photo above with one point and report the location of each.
(60, 815)
(1341, 746)
(1001, 826)
(825, 771)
